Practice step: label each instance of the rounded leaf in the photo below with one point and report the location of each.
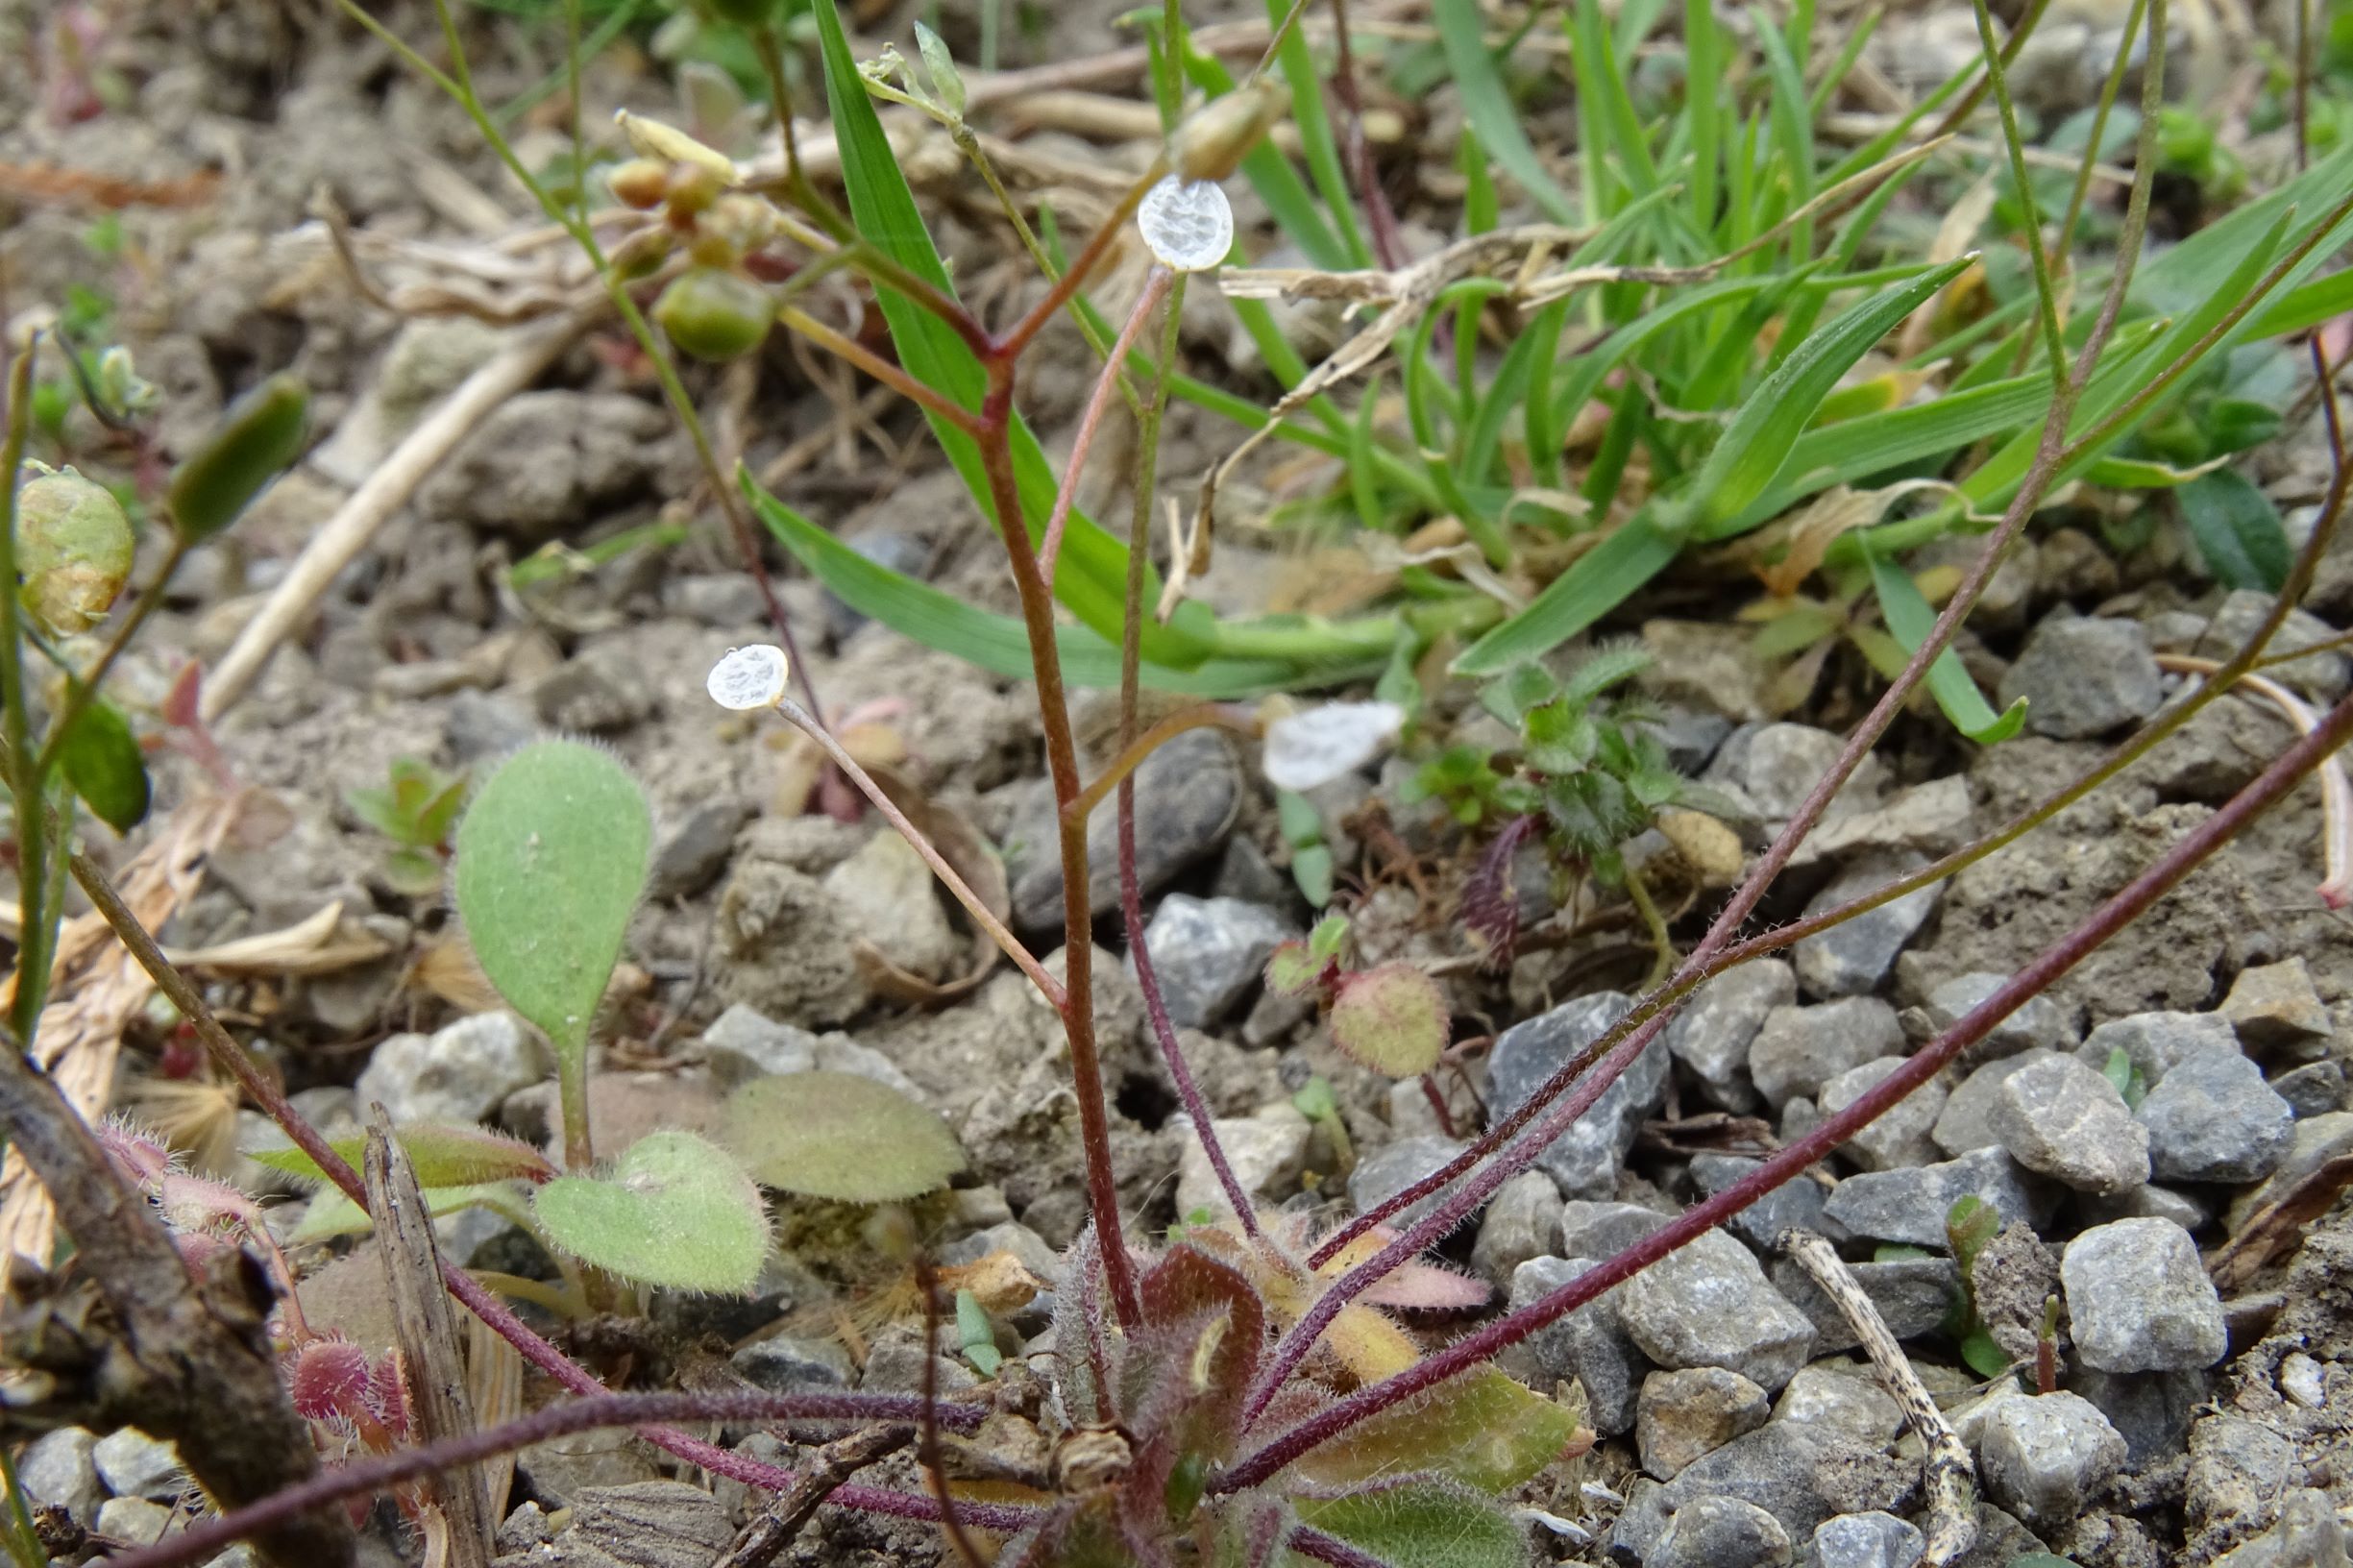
(1391, 1018)
(1295, 969)
(1189, 225)
(836, 1135)
(714, 313)
(676, 1211)
(73, 551)
(104, 764)
(749, 677)
(551, 857)
(255, 441)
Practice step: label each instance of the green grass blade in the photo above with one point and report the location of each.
(1487, 102)
(1910, 619)
(1092, 579)
(1315, 122)
(1597, 583)
(1597, 71)
(1703, 79)
(1756, 444)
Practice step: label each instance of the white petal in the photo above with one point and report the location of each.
(1317, 745)
(749, 677)
(1189, 226)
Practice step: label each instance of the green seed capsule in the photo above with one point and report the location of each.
(714, 314)
(255, 441)
(73, 551)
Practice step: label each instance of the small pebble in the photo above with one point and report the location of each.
(2139, 1299)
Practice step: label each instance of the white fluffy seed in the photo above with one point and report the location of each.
(749, 677)
(1189, 226)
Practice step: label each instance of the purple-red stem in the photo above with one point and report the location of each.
(1310, 1542)
(1155, 289)
(207, 1536)
(2031, 981)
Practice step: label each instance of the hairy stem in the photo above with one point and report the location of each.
(1156, 288)
(593, 1414)
(2194, 849)
(882, 370)
(1008, 348)
(1132, 755)
(1062, 763)
(982, 916)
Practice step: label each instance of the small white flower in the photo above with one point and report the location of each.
(749, 677)
(1190, 225)
(1316, 746)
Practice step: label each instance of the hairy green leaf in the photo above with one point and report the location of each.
(676, 1211)
(2238, 530)
(1392, 1018)
(1484, 1428)
(443, 1155)
(552, 856)
(1421, 1522)
(329, 1213)
(835, 1135)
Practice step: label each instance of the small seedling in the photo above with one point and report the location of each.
(674, 1210)
(1969, 1226)
(1391, 1017)
(415, 808)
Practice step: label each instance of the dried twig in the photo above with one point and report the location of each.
(1950, 1479)
(426, 1329)
(2274, 1226)
(344, 535)
(787, 1512)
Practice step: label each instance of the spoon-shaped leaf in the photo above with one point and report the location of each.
(835, 1135)
(674, 1210)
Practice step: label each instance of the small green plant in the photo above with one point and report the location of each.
(1969, 1226)
(674, 1210)
(1391, 1017)
(414, 808)
(836, 1135)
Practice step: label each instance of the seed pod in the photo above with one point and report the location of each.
(640, 182)
(1189, 228)
(255, 441)
(713, 314)
(1214, 138)
(73, 551)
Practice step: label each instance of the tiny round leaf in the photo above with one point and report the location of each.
(1391, 1018)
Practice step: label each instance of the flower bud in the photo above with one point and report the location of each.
(713, 314)
(640, 182)
(73, 551)
(1214, 138)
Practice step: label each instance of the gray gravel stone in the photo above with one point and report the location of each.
(2313, 1089)
(2320, 676)
(1721, 1533)
(1265, 1152)
(1589, 1344)
(133, 1464)
(1868, 1540)
(1708, 1304)
(1852, 958)
(457, 1074)
(1712, 1034)
(1911, 1205)
(693, 854)
(1801, 1048)
(1791, 1206)
(890, 899)
(57, 1471)
(1188, 795)
(2059, 1118)
(2150, 1201)
(1594, 1229)
(2214, 1119)
(2139, 1300)
(1799, 1476)
(596, 451)
(2154, 1041)
(1967, 1121)
(1681, 1417)
(1207, 953)
(2042, 1458)
(2152, 1410)
(1522, 1222)
(1901, 1136)
(2084, 677)
(1841, 1397)
(786, 1364)
(744, 1043)
(2317, 1140)
(2036, 1027)
(132, 1519)
(1391, 1168)
(1914, 1296)
(1584, 1159)
(599, 690)
(1775, 767)
(2275, 1007)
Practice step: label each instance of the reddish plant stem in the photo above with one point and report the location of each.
(1155, 289)
(1389, 242)
(1062, 763)
(1132, 754)
(1311, 1542)
(1131, 677)
(203, 1539)
(1001, 351)
(2126, 906)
